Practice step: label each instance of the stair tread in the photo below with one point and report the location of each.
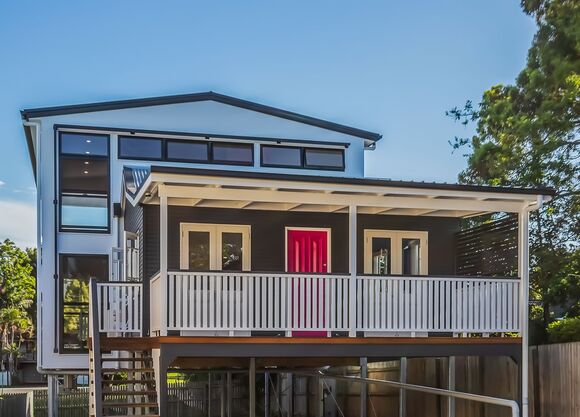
(140, 415)
(128, 392)
(127, 370)
(130, 405)
(126, 359)
(127, 381)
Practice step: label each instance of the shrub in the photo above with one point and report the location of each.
(566, 330)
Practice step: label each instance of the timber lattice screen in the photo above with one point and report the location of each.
(490, 249)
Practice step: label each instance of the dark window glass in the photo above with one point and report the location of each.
(75, 273)
(233, 153)
(199, 251)
(324, 158)
(187, 151)
(381, 255)
(84, 144)
(84, 174)
(231, 251)
(140, 148)
(281, 156)
(84, 182)
(411, 256)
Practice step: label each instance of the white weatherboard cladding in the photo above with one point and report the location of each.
(211, 117)
(200, 117)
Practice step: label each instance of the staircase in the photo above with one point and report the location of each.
(128, 385)
(121, 379)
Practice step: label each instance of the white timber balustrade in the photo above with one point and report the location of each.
(240, 301)
(120, 307)
(244, 301)
(434, 304)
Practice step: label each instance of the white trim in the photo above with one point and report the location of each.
(215, 231)
(328, 231)
(397, 237)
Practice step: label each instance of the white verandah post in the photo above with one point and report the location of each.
(524, 273)
(352, 239)
(163, 258)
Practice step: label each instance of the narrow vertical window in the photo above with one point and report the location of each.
(84, 182)
(76, 272)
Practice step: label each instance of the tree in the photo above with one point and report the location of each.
(17, 290)
(527, 134)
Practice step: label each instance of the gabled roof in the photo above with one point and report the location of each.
(190, 98)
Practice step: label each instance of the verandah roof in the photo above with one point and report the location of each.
(271, 191)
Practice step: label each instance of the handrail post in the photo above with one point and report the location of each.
(352, 255)
(523, 269)
(163, 258)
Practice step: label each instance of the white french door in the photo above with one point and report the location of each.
(216, 247)
(395, 252)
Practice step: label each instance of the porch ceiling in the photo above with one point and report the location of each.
(281, 194)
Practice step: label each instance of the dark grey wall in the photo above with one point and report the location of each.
(268, 235)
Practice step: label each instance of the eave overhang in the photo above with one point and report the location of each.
(265, 191)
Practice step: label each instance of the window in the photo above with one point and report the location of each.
(299, 157)
(84, 182)
(75, 274)
(388, 252)
(187, 151)
(233, 153)
(224, 247)
(324, 158)
(281, 156)
(162, 149)
(132, 147)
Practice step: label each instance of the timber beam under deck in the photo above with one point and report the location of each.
(173, 347)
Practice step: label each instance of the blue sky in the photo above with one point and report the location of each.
(391, 67)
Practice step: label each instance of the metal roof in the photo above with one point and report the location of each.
(135, 178)
(190, 98)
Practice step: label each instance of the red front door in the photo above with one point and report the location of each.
(307, 252)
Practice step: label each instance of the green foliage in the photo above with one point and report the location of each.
(566, 330)
(527, 135)
(17, 287)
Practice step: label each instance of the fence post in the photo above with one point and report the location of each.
(52, 400)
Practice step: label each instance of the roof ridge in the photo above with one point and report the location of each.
(194, 97)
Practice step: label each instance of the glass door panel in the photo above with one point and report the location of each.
(411, 250)
(232, 251)
(199, 251)
(381, 253)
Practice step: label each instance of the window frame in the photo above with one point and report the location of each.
(223, 162)
(303, 164)
(323, 167)
(140, 158)
(269, 165)
(60, 304)
(200, 161)
(59, 155)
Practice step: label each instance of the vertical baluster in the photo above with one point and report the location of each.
(251, 289)
(441, 305)
(197, 290)
(283, 302)
(345, 305)
(296, 302)
(448, 305)
(171, 300)
(333, 302)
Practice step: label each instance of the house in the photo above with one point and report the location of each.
(206, 231)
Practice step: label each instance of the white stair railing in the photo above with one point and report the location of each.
(120, 307)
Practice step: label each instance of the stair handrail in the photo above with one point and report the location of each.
(95, 347)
